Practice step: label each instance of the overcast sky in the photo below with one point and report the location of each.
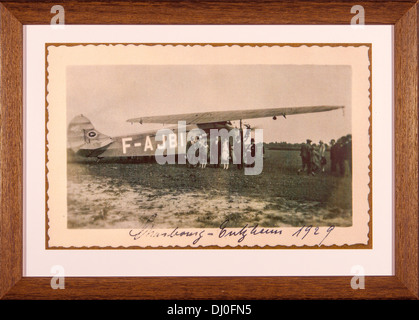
(109, 95)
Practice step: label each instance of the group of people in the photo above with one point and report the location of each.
(313, 157)
(314, 160)
(224, 152)
(341, 155)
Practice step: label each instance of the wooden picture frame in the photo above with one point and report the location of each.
(402, 14)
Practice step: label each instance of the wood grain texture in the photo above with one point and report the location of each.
(401, 13)
(11, 165)
(406, 149)
(208, 12)
(211, 288)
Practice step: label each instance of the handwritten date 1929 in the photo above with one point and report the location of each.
(304, 231)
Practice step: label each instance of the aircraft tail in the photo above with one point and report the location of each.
(83, 138)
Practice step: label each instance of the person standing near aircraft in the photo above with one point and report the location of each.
(215, 152)
(333, 155)
(340, 155)
(306, 156)
(322, 155)
(315, 158)
(349, 151)
(250, 152)
(237, 151)
(203, 151)
(193, 141)
(225, 153)
(346, 154)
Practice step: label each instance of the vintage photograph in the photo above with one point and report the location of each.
(179, 146)
(114, 181)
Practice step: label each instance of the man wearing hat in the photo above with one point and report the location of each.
(306, 156)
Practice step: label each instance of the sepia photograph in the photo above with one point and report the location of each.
(114, 180)
(239, 148)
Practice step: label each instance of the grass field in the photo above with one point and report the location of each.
(116, 195)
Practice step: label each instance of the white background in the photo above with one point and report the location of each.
(226, 262)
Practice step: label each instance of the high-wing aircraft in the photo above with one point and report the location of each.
(86, 142)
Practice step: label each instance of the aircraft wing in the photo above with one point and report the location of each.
(222, 116)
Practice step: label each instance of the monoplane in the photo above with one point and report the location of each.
(87, 142)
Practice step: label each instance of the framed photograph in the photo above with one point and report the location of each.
(161, 152)
(229, 195)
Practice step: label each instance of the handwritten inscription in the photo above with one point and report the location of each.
(175, 233)
(224, 232)
(304, 231)
(245, 231)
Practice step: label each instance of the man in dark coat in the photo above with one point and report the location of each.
(347, 152)
(334, 150)
(306, 156)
